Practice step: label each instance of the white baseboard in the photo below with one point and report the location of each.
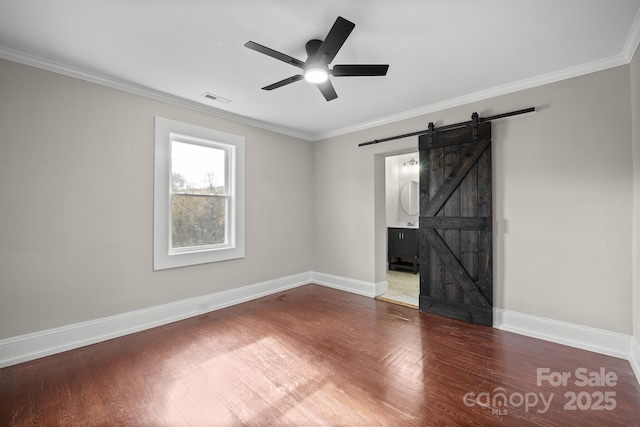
(584, 337)
(360, 287)
(634, 357)
(382, 288)
(44, 343)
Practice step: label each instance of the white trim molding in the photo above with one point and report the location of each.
(360, 287)
(634, 357)
(32, 346)
(167, 133)
(633, 40)
(584, 337)
(45, 343)
(381, 288)
(136, 89)
(529, 83)
(622, 58)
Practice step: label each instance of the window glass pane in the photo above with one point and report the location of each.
(196, 169)
(198, 203)
(197, 220)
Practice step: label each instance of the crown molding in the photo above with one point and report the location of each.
(567, 73)
(625, 57)
(633, 40)
(114, 83)
(631, 45)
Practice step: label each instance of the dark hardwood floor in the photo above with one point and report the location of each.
(318, 356)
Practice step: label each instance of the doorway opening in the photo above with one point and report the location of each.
(402, 203)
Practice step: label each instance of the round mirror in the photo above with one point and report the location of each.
(409, 198)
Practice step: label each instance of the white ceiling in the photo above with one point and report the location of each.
(441, 52)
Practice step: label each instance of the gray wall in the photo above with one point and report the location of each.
(76, 204)
(76, 170)
(562, 199)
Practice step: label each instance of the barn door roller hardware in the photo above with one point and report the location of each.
(473, 122)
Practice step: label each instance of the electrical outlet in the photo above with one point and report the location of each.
(203, 306)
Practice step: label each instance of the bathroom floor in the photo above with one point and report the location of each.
(404, 288)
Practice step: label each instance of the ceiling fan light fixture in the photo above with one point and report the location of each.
(316, 74)
(320, 53)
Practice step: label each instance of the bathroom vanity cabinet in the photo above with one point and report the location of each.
(402, 249)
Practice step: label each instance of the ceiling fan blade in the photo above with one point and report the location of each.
(334, 40)
(274, 54)
(359, 70)
(327, 90)
(284, 82)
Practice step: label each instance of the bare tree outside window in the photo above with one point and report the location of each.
(199, 196)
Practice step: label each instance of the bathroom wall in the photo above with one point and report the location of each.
(396, 176)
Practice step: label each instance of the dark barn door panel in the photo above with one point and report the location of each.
(456, 278)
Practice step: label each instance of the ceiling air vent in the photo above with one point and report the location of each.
(216, 98)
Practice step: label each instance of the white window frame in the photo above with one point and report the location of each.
(166, 131)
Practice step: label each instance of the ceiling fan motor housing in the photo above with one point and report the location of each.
(320, 53)
(312, 47)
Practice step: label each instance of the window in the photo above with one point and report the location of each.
(198, 195)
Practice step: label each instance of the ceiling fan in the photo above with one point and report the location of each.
(319, 55)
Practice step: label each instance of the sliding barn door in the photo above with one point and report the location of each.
(456, 278)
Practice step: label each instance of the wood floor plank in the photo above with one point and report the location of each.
(314, 356)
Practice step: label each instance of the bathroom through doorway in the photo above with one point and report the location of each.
(402, 200)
